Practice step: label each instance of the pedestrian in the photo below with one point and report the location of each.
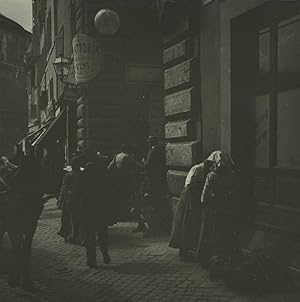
(187, 219)
(125, 171)
(217, 233)
(139, 207)
(69, 203)
(96, 195)
(5, 172)
(156, 175)
(24, 209)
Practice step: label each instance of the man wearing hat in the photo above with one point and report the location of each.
(156, 173)
(95, 193)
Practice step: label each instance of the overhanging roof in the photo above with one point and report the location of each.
(57, 121)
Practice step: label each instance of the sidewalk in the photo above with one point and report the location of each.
(142, 270)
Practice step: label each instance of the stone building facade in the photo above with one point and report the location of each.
(120, 105)
(231, 80)
(14, 40)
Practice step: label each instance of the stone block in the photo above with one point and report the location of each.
(99, 122)
(179, 129)
(98, 134)
(179, 102)
(98, 111)
(176, 180)
(183, 154)
(179, 74)
(177, 51)
(82, 111)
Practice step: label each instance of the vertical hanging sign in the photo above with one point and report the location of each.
(86, 52)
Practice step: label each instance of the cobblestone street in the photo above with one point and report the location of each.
(142, 270)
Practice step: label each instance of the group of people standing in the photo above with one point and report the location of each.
(95, 194)
(204, 225)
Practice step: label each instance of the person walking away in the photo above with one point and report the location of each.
(217, 234)
(156, 174)
(125, 173)
(95, 194)
(24, 210)
(187, 219)
(70, 204)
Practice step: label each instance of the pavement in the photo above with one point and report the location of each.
(142, 270)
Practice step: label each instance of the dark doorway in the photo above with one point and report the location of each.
(145, 114)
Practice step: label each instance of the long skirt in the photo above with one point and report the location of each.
(216, 237)
(187, 220)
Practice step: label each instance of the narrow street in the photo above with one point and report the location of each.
(142, 270)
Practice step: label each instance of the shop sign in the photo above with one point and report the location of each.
(86, 52)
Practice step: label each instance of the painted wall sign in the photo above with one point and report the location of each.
(86, 52)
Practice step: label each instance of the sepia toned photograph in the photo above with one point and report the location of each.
(149, 150)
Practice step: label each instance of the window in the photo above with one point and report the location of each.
(276, 108)
(51, 90)
(73, 18)
(33, 111)
(48, 32)
(55, 17)
(59, 43)
(288, 126)
(12, 46)
(43, 99)
(262, 131)
(33, 75)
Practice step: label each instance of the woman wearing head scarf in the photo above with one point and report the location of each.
(186, 224)
(217, 226)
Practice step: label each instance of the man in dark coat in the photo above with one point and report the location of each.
(125, 171)
(155, 169)
(95, 191)
(156, 173)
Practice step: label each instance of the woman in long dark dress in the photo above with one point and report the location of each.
(186, 224)
(217, 234)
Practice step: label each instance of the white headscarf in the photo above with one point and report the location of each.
(221, 159)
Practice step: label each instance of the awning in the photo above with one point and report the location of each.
(30, 137)
(55, 130)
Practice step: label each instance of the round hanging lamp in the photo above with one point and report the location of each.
(107, 22)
